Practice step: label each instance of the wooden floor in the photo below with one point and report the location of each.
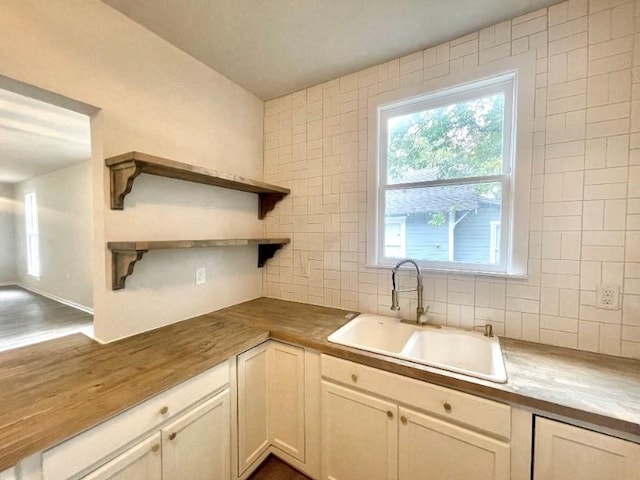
(27, 318)
(275, 469)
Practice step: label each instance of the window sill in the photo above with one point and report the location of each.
(446, 271)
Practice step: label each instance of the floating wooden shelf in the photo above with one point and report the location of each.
(126, 254)
(126, 167)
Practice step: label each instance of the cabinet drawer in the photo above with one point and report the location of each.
(86, 449)
(474, 412)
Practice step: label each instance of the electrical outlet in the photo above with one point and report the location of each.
(607, 296)
(201, 275)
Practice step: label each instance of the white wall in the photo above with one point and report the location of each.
(585, 192)
(156, 99)
(7, 235)
(65, 227)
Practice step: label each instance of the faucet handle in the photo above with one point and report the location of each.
(486, 329)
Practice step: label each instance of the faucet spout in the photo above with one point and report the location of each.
(395, 306)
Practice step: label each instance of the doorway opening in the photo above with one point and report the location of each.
(46, 216)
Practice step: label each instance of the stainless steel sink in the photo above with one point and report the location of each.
(461, 351)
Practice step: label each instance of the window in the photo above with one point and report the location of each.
(394, 236)
(33, 240)
(445, 171)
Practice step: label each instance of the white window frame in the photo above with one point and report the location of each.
(32, 234)
(498, 85)
(514, 218)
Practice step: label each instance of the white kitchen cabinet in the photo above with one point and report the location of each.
(278, 407)
(379, 425)
(143, 461)
(8, 474)
(197, 445)
(563, 451)
(359, 435)
(287, 399)
(439, 449)
(253, 420)
(197, 410)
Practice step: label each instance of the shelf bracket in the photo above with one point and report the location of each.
(122, 177)
(267, 202)
(122, 263)
(267, 251)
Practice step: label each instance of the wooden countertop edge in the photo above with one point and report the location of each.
(14, 452)
(22, 446)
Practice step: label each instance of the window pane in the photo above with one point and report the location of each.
(455, 141)
(459, 223)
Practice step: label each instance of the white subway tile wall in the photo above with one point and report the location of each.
(585, 189)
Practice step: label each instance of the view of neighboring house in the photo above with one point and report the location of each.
(454, 223)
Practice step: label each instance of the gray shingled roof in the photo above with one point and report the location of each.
(431, 199)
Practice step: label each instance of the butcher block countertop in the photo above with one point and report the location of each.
(54, 390)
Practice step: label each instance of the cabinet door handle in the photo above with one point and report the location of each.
(155, 447)
(447, 407)
(172, 436)
(389, 414)
(164, 410)
(354, 378)
(403, 419)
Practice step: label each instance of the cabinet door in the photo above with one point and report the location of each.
(433, 449)
(8, 474)
(287, 399)
(564, 451)
(140, 462)
(359, 435)
(197, 446)
(253, 429)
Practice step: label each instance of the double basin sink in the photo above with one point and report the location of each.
(466, 352)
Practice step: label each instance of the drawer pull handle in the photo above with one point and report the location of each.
(164, 410)
(389, 414)
(172, 436)
(354, 378)
(155, 447)
(403, 419)
(447, 407)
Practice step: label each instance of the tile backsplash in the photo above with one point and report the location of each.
(585, 191)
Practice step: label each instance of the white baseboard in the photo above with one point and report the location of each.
(56, 298)
(6, 284)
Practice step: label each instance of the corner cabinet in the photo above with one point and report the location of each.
(278, 407)
(563, 451)
(125, 168)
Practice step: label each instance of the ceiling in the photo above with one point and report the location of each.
(37, 138)
(276, 47)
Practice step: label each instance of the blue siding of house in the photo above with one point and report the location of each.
(473, 234)
(425, 242)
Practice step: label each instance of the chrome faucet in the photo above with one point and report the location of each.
(421, 318)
